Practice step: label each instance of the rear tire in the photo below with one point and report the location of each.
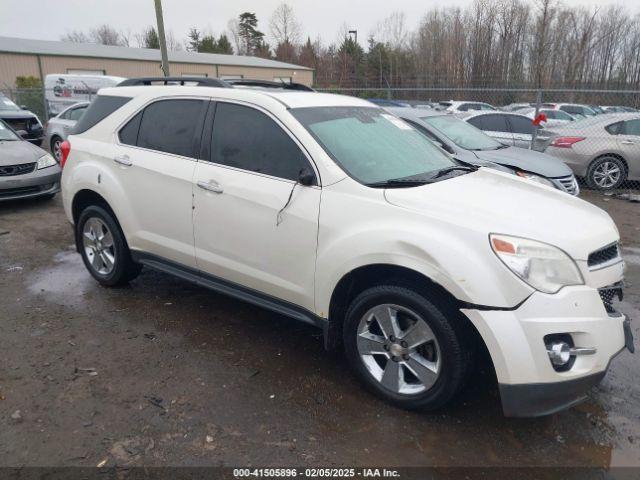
(103, 248)
(56, 141)
(415, 358)
(606, 173)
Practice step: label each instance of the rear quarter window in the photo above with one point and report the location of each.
(614, 128)
(98, 110)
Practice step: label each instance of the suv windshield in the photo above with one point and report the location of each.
(461, 133)
(6, 133)
(372, 145)
(8, 105)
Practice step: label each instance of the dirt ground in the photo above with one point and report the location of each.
(166, 373)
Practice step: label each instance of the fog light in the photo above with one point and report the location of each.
(559, 353)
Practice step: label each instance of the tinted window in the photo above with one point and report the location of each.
(170, 126)
(614, 128)
(572, 109)
(521, 125)
(76, 113)
(494, 123)
(632, 127)
(98, 110)
(129, 133)
(248, 139)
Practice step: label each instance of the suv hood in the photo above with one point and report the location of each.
(17, 152)
(527, 160)
(488, 201)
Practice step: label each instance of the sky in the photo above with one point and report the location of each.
(49, 19)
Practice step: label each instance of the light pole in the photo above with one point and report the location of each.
(162, 39)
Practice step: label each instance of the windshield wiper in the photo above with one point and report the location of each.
(443, 171)
(400, 182)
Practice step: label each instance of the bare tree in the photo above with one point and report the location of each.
(284, 26)
(75, 36)
(233, 27)
(106, 35)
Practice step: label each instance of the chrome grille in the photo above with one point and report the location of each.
(11, 170)
(608, 295)
(604, 255)
(569, 184)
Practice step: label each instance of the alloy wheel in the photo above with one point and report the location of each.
(607, 174)
(57, 151)
(399, 349)
(98, 246)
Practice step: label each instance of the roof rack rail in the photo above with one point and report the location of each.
(199, 81)
(246, 82)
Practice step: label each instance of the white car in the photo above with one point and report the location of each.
(555, 118)
(329, 210)
(464, 106)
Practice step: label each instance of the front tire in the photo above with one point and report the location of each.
(404, 348)
(606, 173)
(103, 247)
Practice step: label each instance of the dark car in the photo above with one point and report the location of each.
(472, 145)
(22, 121)
(26, 171)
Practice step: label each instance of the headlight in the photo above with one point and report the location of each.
(545, 267)
(46, 161)
(536, 178)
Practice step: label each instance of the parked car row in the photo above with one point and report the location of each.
(472, 145)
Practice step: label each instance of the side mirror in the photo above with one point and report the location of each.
(22, 133)
(306, 177)
(24, 107)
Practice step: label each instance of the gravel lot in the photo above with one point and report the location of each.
(165, 373)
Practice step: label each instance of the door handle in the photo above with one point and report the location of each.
(211, 186)
(627, 142)
(123, 160)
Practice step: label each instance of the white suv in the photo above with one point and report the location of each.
(327, 209)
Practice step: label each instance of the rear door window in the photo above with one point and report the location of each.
(521, 125)
(129, 133)
(494, 123)
(170, 126)
(246, 138)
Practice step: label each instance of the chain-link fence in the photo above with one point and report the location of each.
(596, 133)
(46, 103)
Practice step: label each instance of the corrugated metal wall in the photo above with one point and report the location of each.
(13, 65)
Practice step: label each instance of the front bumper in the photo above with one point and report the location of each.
(529, 385)
(38, 183)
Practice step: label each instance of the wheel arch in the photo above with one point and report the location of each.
(85, 198)
(363, 277)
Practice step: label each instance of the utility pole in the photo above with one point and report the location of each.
(162, 39)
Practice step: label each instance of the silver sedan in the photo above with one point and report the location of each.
(59, 127)
(605, 149)
(25, 170)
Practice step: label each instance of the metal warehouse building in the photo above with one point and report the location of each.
(38, 58)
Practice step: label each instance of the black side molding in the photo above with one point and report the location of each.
(229, 288)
